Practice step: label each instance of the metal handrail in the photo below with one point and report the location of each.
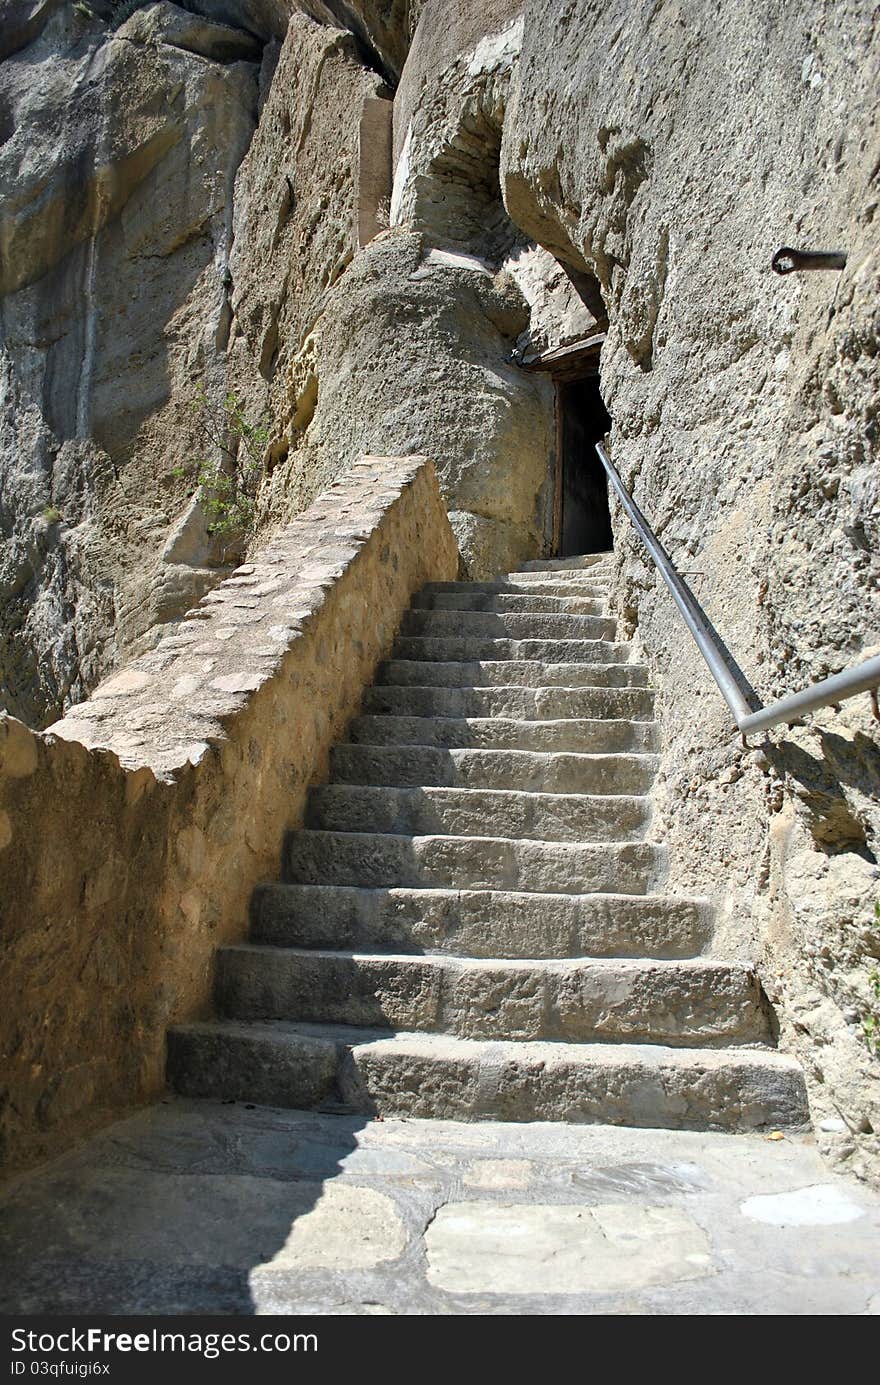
(732, 683)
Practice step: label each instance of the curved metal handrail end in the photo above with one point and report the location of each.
(864, 677)
(850, 682)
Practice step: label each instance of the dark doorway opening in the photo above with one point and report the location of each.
(582, 520)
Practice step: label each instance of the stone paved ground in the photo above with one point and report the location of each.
(212, 1208)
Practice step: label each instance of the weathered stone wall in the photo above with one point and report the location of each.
(670, 155)
(132, 834)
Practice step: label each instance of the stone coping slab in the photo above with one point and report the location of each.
(165, 708)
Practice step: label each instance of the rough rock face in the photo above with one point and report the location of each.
(190, 230)
(116, 179)
(294, 207)
(451, 387)
(415, 345)
(123, 291)
(745, 418)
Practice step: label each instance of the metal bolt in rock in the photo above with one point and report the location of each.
(789, 261)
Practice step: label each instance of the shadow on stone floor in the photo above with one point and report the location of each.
(170, 1212)
(203, 1208)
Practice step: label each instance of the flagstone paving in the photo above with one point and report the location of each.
(209, 1207)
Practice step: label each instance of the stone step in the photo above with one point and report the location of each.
(537, 591)
(506, 625)
(574, 563)
(509, 603)
(481, 923)
(574, 582)
(680, 1004)
(601, 575)
(376, 859)
(510, 673)
(479, 813)
(454, 649)
(504, 733)
(525, 770)
(523, 704)
(437, 1075)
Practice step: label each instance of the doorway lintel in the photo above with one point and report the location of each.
(572, 361)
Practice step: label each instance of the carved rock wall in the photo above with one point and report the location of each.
(415, 345)
(669, 157)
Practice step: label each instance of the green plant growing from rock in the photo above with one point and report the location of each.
(228, 485)
(871, 1022)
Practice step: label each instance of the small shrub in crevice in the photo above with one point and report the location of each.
(871, 1021)
(228, 483)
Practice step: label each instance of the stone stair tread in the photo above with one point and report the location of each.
(442, 792)
(488, 923)
(454, 961)
(394, 717)
(489, 673)
(575, 562)
(709, 965)
(380, 858)
(282, 1063)
(498, 691)
(541, 816)
(483, 838)
(602, 572)
(458, 962)
(604, 1054)
(518, 625)
(512, 603)
(573, 583)
(577, 1000)
(539, 703)
(512, 587)
(461, 648)
(501, 733)
(560, 771)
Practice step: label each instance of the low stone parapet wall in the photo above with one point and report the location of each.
(133, 831)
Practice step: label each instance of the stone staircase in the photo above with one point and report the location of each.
(472, 924)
